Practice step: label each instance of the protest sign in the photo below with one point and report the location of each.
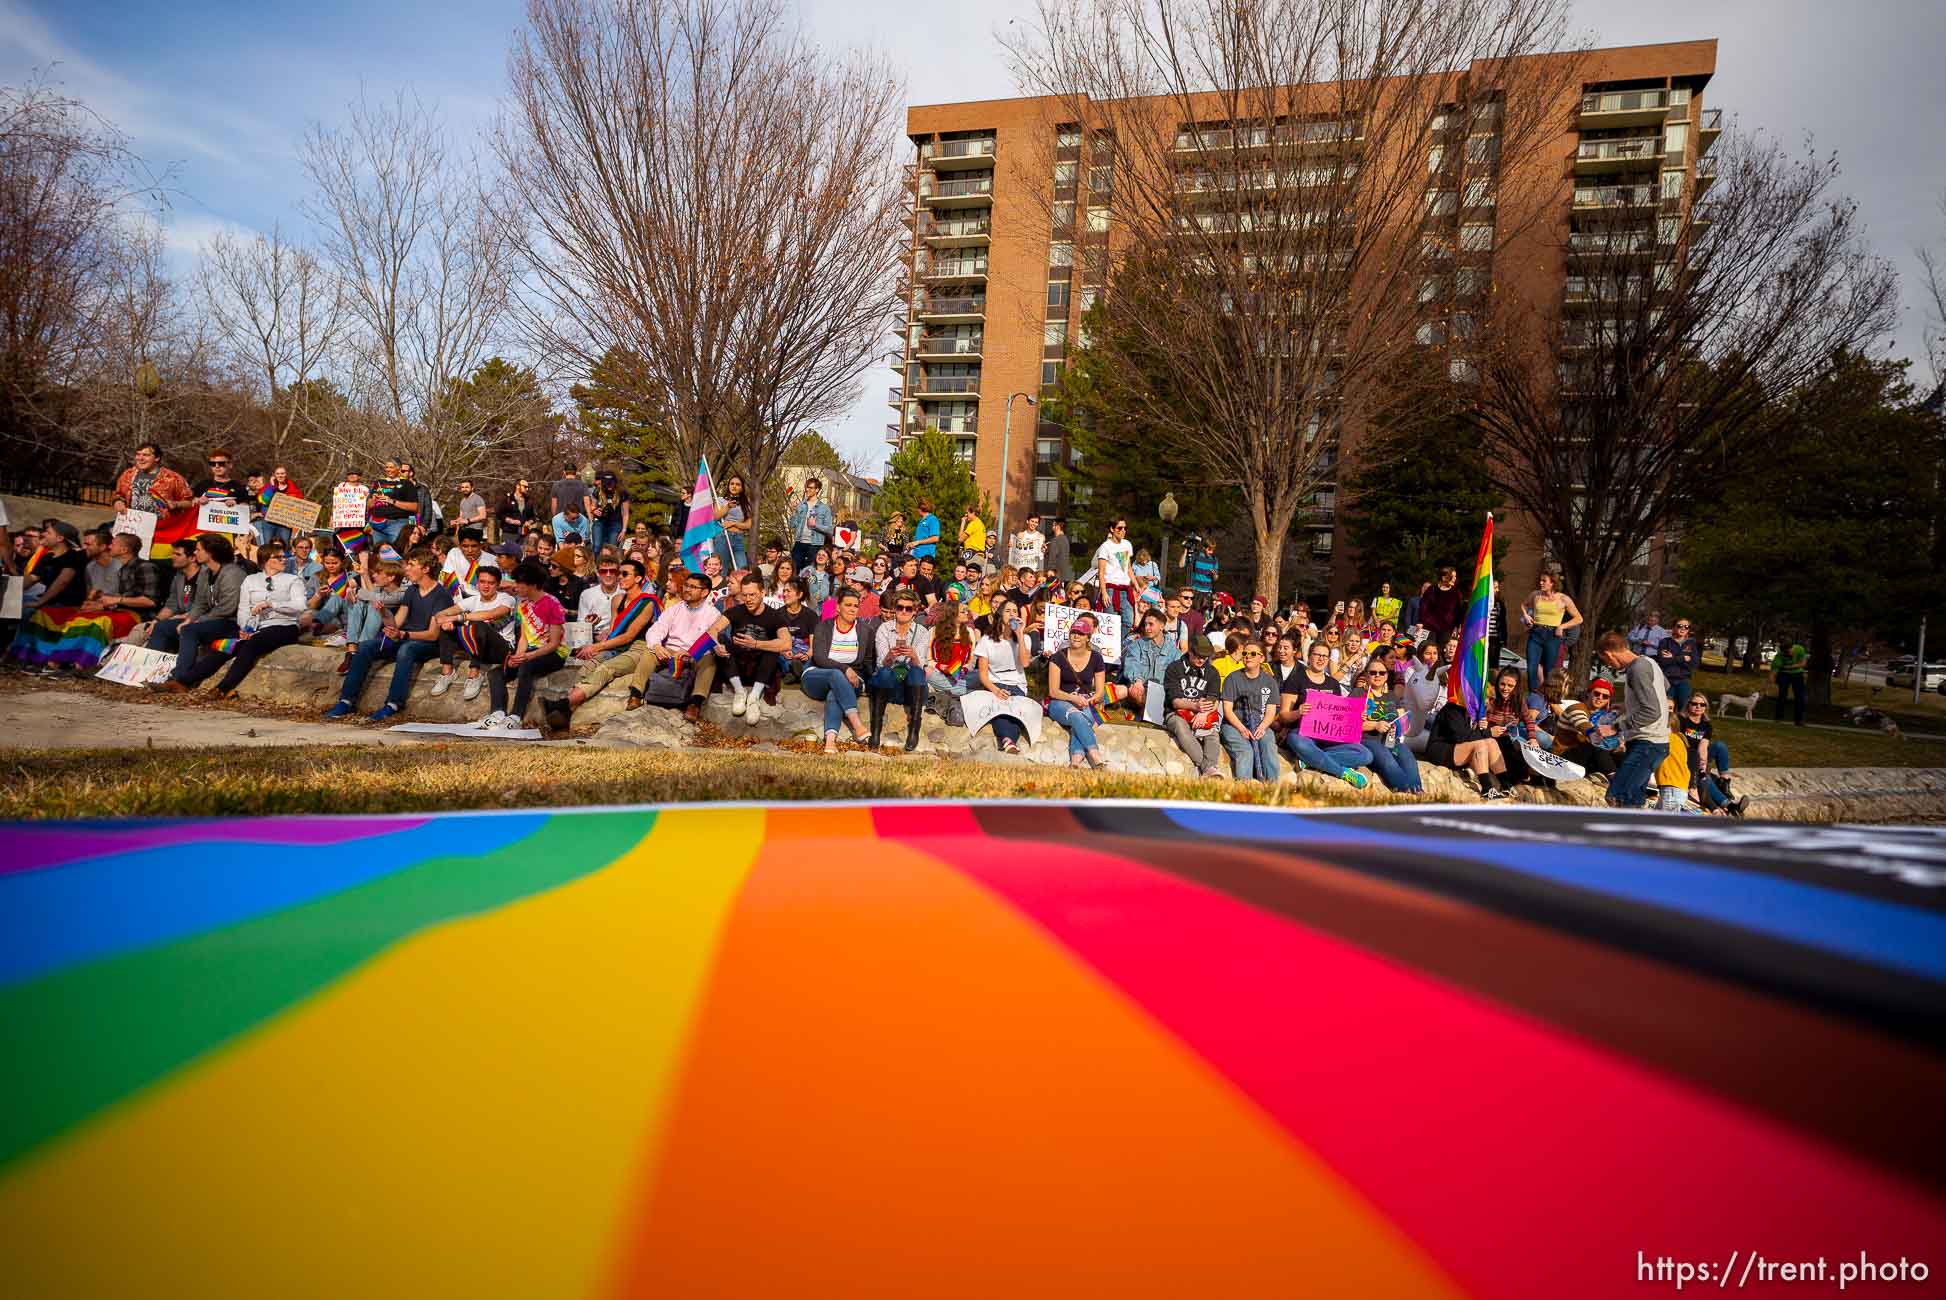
(578, 635)
(982, 707)
(4, 521)
(294, 513)
(12, 595)
(134, 665)
(1333, 719)
(348, 505)
(223, 517)
(1107, 639)
(846, 536)
(140, 522)
(1553, 768)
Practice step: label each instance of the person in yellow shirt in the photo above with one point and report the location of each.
(1228, 662)
(1386, 607)
(1672, 777)
(972, 534)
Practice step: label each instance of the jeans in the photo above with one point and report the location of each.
(1080, 727)
(388, 530)
(1252, 759)
(1791, 684)
(1006, 727)
(835, 689)
(1544, 649)
(911, 692)
(363, 622)
(1396, 767)
(1719, 755)
(608, 532)
(243, 658)
(1332, 760)
(268, 532)
(1629, 787)
(193, 637)
(1120, 600)
(1682, 690)
(1206, 752)
(524, 677)
(406, 656)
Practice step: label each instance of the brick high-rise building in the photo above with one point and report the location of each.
(997, 283)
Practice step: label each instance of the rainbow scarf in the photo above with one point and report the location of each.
(1468, 686)
(33, 561)
(643, 600)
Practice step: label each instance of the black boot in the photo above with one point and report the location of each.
(914, 715)
(878, 718)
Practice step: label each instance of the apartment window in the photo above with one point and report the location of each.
(1055, 333)
(1050, 374)
(1667, 228)
(1476, 238)
(1431, 287)
(1090, 294)
(1057, 293)
(1068, 137)
(1064, 174)
(1434, 248)
(964, 448)
(1435, 157)
(1441, 203)
(1442, 119)
(1081, 493)
(1064, 216)
(1482, 149)
(1431, 332)
(1679, 95)
(1047, 453)
(1672, 185)
(1060, 253)
(1479, 193)
(1461, 371)
(1462, 326)
(1098, 220)
(1047, 492)
(1101, 180)
(1472, 280)
(1676, 139)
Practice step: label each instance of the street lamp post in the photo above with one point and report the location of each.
(1166, 511)
(1006, 445)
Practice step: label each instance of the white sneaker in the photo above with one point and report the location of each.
(737, 702)
(494, 721)
(510, 723)
(442, 683)
(473, 688)
(753, 709)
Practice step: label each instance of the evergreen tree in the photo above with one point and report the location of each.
(616, 411)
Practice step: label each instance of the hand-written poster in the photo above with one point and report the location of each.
(1333, 719)
(1107, 639)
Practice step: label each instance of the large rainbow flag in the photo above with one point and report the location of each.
(1468, 686)
(703, 530)
(962, 1050)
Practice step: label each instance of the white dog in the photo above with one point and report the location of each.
(1748, 703)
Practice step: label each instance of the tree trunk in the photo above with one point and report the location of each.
(1270, 524)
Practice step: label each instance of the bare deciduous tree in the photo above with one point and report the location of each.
(1933, 262)
(1268, 166)
(412, 230)
(1615, 410)
(714, 195)
(278, 314)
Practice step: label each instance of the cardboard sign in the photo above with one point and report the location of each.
(577, 635)
(294, 513)
(348, 505)
(982, 707)
(140, 522)
(223, 517)
(1333, 719)
(1550, 766)
(12, 597)
(134, 665)
(1107, 639)
(846, 536)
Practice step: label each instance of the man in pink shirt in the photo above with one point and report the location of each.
(685, 630)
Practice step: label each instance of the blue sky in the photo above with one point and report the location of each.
(226, 90)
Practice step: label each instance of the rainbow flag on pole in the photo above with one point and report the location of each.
(704, 528)
(1467, 685)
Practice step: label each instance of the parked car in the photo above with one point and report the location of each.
(1934, 679)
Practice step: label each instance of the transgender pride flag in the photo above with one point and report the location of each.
(1466, 682)
(701, 534)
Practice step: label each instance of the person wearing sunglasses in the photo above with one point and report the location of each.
(1709, 758)
(1598, 728)
(902, 646)
(596, 607)
(1250, 699)
(221, 483)
(1679, 655)
(1384, 731)
(1335, 759)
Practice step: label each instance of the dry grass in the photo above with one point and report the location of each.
(421, 778)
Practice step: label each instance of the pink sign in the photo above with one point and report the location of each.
(1333, 719)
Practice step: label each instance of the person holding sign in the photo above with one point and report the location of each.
(1385, 725)
(148, 486)
(1250, 700)
(1339, 758)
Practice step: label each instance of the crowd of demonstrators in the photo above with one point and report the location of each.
(563, 581)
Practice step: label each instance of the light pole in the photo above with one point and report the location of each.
(1006, 444)
(1166, 511)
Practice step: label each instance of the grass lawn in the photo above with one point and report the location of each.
(420, 778)
(1929, 715)
(1765, 744)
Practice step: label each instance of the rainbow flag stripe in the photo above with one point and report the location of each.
(63, 637)
(960, 1050)
(1468, 686)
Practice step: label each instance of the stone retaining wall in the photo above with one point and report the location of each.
(303, 676)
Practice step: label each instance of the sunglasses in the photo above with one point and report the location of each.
(1253, 654)
(605, 572)
(216, 464)
(904, 609)
(1599, 695)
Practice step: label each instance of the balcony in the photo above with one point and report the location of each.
(1708, 129)
(951, 310)
(1624, 108)
(1611, 243)
(967, 271)
(896, 397)
(892, 436)
(1614, 196)
(942, 386)
(955, 155)
(1594, 157)
(1705, 174)
(956, 424)
(961, 192)
(962, 232)
(951, 346)
(1302, 135)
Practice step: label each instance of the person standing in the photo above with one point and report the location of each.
(1442, 606)
(515, 513)
(1679, 655)
(1027, 548)
(1203, 571)
(972, 536)
(1646, 636)
(609, 508)
(810, 525)
(471, 512)
(1645, 720)
(736, 521)
(1386, 607)
(925, 535)
(1548, 614)
(1114, 567)
(1789, 667)
(568, 489)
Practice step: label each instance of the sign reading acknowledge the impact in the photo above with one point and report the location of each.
(223, 517)
(294, 513)
(1333, 719)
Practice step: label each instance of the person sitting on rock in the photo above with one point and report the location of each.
(801, 621)
(1335, 759)
(1146, 659)
(540, 629)
(757, 637)
(488, 607)
(408, 638)
(842, 658)
(1192, 692)
(902, 646)
(328, 611)
(268, 605)
(685, 629)
(1077, 679)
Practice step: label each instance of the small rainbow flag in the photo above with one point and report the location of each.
(224, 645)
(339, 585)
(354, 540)
(1468, 686)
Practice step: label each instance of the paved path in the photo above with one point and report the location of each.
(65, 719)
